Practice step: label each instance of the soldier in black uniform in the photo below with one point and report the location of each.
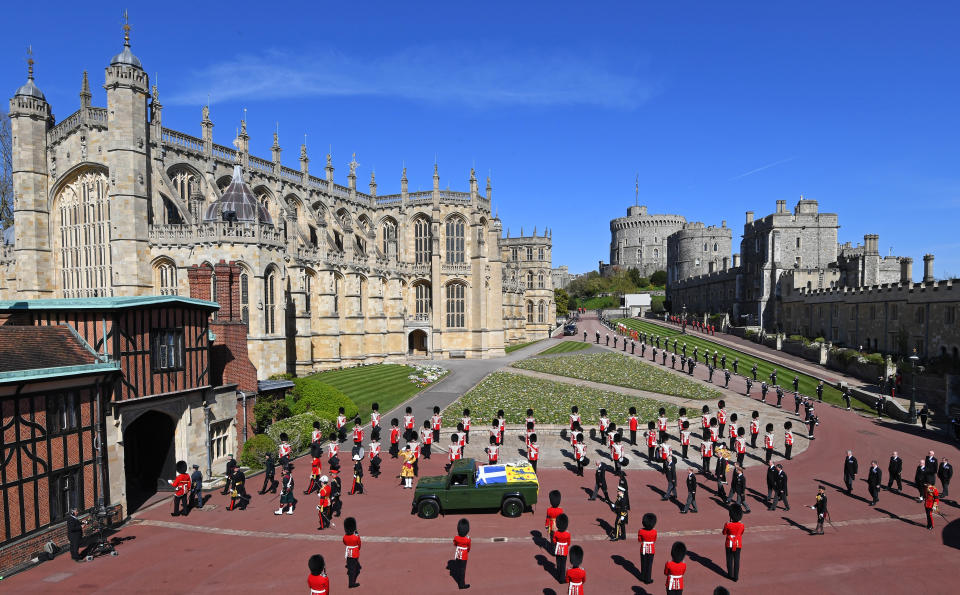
(749, 386)
(726, 378)
(691, 503)
(820, 391)
(600, 482)
(821, 507)
(894, 470)
(270, 483)
(709, 373)
(237, 484)
(621, 514)
(753, 371)
(196, 488)
(231, 465)
(763, 391)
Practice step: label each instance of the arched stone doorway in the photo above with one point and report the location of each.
(417, 343)
(148, 456)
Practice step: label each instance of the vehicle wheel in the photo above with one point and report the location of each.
(428, 509)
(512, 507)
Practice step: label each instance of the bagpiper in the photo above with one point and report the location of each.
(283, 451)
(357, 487)
(287, 500)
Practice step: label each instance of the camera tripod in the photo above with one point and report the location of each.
(102, 546)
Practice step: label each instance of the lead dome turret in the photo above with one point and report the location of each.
(237, 204)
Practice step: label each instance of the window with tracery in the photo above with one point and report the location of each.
(388, 231)
(529, 311)
(165, 278)
(529, 253)
(423, 297)
(540, 281)
(82, 237)
(455, 240)
(245, 298)
(421, 241)
(530, 280)
(455, 305)
(269, 303)
(541, 312)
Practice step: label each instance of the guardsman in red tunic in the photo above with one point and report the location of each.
(533, 451)
(705, 422)
(181, 487)
(323, 506)
(651, 436)
(685, 437)
(461, 544)
(787, 439)
(714, 436)
(409, 423)
(732, 422)
(317, 579)
(768, 443)
(721, 417)
(675, 568)
(633, 424)
(574, 417)
(741, 446)
(394, 438)
(315, 467)
(603, 423)
(662, 425)
(733, 536)
(706, 453)
(681, 417)
(550, 523)
(580, 454)
(341, 425)
(501, 426)
(616, 452)
(453, 450)
(561, 546)
(357, 432)
(648, 540)
(351, 540)
(427, 439)
(375, 417)
(465, 420)
(754, 428)
(931, 503)
(437, 421)
(665, 453)
(333, 452)
(530, 421)
(493, 451)
(284, 451)
(374, 448)
(316, 436)
(576, 576)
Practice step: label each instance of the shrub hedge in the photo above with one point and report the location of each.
(298, 429)
(254, 449)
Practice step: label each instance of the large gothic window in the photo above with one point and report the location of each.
(541, 312)
(529, 311)
(455, 305)
(245, 298)
(165, 278)
(269, 302)
(530, 280)
(423, 298)
(82, 237)
(540, 281)
(455, 240)
(388, 231)
(421, 241)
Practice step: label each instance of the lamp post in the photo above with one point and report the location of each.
(913, 396)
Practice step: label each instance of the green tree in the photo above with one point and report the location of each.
(659, 278)
(562, 299)
(635, 278)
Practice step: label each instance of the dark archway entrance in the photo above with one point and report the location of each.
(148, 456)
(417, 342)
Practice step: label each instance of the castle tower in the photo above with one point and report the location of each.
(29, 119)
(127, 147)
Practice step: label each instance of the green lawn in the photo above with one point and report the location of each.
(620, 370)
(550, 401)
(807, 386)
(512, 348)
(386, 384)
(565, 347)
(593, 303)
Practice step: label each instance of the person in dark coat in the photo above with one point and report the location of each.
(600, 483)
(781, 490)
(691, 503)
(945, 473)
(270, 483)
(196, 487)
(75, 533)
(670, 473)
(739, 489)
(874, 479)
(850, 470)
(231, 466)
(923, 416)
(894, 471)
(920, 480)
(772, 474)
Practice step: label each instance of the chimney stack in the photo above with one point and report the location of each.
(726, 263)
(736, 260)
(749, 216)
(871, 243)
(723, 223)
(781, 206)
(928, 268)
(906, 270)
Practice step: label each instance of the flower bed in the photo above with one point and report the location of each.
(620, 370)
(424, 376)
(550, 401)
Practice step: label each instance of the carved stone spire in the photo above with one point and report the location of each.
(403, 181)
(373, 183)
(85, 96)
(329, 167)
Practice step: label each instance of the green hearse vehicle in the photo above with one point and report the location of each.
(468, 486)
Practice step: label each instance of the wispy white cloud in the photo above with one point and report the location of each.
(761, 168)
(476, 75)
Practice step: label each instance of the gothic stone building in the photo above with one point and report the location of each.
(109, 202)
(639, 240)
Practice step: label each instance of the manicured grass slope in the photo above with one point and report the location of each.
(807, 386)
(512, 348)
(386, 384)
(620, 370)
(550, 401)
(565, 347)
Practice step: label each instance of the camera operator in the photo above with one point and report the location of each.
(75, 533)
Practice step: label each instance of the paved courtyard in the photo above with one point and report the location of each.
(867, 549)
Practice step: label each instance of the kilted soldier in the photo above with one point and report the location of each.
(647, 536)
(705, 422)
(317, 579)
(768, 443)
(409, 423)
(820, 505)
(675, 568)
(779, 397)
(357, 487)
(465, 420)
(333, 452)
(685, 438)
(754, 428)
(560, 540)
(931, 503)
(780, 493)
(181, 489)
(580, 454)
(706, 453)
(600, 482)
(651, 436)
(894, 471)
(550, 522)
(576, 576)
(323, 502)
(732, 422)
(395, 438)
(740, 445)
(691, 504)
(749, 386)
(461, 544)
(351, 541)
(196, 487)
(763, 391)
(232, 465)
(621, 513)
(341, 425)
(787, 439)
(633, 423)
(721, 417)
(427, 439)
(287, 501)
(662, 425)
(733, 541)
(436, 422)
(374, 448)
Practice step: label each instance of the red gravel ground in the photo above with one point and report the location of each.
(884, 549)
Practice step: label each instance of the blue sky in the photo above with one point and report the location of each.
(720, 107)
